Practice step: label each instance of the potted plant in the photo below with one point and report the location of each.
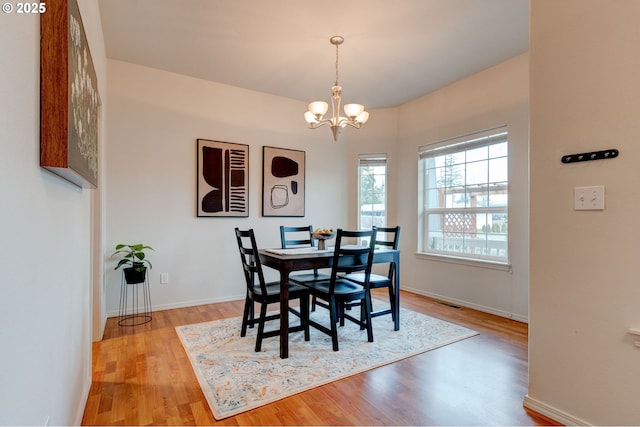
(133, 260)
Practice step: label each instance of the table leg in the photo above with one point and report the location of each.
(284, 314)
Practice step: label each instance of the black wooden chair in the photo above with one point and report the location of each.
(266, 293)
(301, 237)
(389, 240)
(337, 291)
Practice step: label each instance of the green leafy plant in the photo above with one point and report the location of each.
(134, 256)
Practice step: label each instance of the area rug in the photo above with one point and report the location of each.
(235, 379)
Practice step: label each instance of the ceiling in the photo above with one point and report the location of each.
(394, 51)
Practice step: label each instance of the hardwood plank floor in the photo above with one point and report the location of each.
(142, 376)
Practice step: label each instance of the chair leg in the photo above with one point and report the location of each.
(392, 302)
(369, 302)
(263, 314)
(313, 303)
(248, 304)
(252, 314)
(366, 307)
(333, 317)
(363, 317)
(304, 315)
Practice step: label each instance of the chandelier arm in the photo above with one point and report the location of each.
(343, 121)
(320, 123)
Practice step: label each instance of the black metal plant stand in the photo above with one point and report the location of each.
(130, 312)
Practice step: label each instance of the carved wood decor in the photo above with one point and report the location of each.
(69, 100)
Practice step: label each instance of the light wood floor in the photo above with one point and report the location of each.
(142, 376)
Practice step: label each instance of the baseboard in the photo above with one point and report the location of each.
(184, 304)
(468, 304)
(553, 413)
(412, 290)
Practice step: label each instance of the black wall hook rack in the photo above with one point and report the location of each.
(594, 155)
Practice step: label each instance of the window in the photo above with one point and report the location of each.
(372, 190)
(464, 197)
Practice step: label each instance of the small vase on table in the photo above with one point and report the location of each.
(322, 236)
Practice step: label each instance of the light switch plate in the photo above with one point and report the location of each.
(588, 198)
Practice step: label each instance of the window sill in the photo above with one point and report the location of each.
(492, 265)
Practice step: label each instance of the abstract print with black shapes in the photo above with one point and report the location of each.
(222, 179)
(283, 167)
(283, 182)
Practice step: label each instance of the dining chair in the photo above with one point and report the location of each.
(266, 293)
(389, 240)
(347, 258)
(301, 237)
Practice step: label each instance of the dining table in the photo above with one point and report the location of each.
(308, 258)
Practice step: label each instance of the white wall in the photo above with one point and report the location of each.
(585, 291)
(496, 96)
(154, 119)
(45, 307)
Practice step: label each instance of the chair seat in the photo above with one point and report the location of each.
(375, 280)
(308, 277)
(343, 287)
(273, 289)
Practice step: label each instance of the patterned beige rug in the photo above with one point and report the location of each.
(235, 379)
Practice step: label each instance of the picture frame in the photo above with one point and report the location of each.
(69, 98)
(283, 182)
(222, 179)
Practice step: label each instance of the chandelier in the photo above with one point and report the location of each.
(356, 116)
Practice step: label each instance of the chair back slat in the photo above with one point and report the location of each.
(391, 243)
(250, 258)
(302, 236)
(348, 258)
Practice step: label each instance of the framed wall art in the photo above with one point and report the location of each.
(69, 100)
(223, 179)
(283, 175)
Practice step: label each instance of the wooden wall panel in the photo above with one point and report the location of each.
(69, 100)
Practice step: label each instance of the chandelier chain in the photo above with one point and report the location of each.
(336, 65)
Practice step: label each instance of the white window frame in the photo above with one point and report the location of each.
(490, 254)
(373, 159)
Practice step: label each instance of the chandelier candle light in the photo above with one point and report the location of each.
(356, 115)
